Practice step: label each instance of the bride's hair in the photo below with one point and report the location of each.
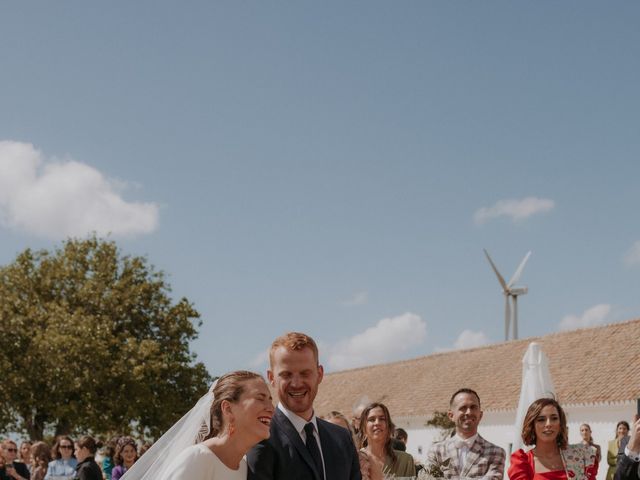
(229, 387)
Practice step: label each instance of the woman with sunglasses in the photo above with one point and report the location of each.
(13, 470)
(64, 464)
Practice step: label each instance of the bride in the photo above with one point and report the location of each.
(209, 442)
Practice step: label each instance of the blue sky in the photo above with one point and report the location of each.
(323, 166)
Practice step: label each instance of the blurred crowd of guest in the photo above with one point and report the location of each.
(67, 459)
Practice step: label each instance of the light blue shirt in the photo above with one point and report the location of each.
(59, 469)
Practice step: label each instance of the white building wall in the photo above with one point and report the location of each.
(498, 428)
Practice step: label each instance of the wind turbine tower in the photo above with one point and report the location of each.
(511, 294)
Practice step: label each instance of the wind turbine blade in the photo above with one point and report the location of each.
(516, 276)
(495, 269)
(507, 317)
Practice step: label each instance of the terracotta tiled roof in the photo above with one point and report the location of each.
(588, 366)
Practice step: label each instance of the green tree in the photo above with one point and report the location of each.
(441, 421)
(92, 342)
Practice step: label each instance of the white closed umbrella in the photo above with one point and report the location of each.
(536, 383)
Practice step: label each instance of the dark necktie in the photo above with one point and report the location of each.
(313, 448)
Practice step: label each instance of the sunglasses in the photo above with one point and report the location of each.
(11, 449)
(67, 447)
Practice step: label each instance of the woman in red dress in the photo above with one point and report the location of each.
(551, 458)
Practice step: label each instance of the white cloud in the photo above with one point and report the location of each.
(467, 339)
(593, 316)
(632, 258)
(358, 298)
(516, 209)
(470, 339)
(381, 343)
(57, 199)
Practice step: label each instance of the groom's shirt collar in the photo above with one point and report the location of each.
(298, 422)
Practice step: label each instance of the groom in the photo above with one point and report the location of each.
(301, 446)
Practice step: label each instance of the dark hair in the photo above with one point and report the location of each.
(123, 442)
(89, 443)
(529, 422)
(229, 387)
(362, 431)
(293, 341)
(622, 422)
(464, 390)
(56, 446)
(401, 434)
(40, 454)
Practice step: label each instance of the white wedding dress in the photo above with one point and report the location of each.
(198, 462)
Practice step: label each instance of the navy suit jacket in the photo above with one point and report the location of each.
(283, 456)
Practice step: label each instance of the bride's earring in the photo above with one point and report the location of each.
(232, 429)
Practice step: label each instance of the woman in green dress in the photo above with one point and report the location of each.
(375, 432)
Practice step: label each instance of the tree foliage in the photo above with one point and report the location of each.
(92, 342)
(442, 422)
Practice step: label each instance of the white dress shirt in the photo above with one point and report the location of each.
(464, 445)
(298, 424)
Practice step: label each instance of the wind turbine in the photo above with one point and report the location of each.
(510, 292)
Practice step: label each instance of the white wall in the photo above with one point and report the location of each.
(498, 428)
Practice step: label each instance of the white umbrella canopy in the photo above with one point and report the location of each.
(536, 383)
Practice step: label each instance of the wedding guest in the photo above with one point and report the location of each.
(125, 456)
(40, 458)
(629, 465)
(357, 413)
(87, 468)
(338, 418)
(616, 447)
(552, 458)
(24, 454)
(301, 445)
(370, 470)
(145, 447)
(108, 462)
(12, 469)
(64, 464)
(374, 434)
(466, 454)
(399, 440)
(239, 408)
(587, 440)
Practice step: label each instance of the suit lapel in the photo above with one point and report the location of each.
(452, 453)
(472, 456)
(328, 446)
(294, 437)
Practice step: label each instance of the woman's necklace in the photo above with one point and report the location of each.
(552, 462)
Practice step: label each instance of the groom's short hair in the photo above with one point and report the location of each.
(293, 341)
